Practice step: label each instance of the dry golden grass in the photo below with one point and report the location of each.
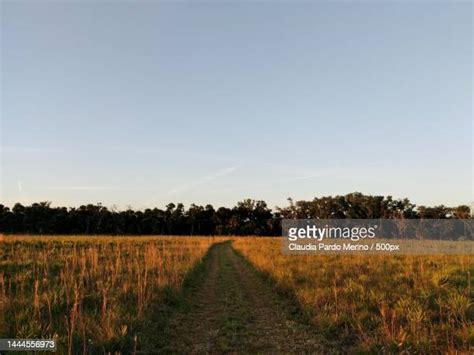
(89, 292)
(95, 293)
(376, 303)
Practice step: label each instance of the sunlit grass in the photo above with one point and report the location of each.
(89, 292)
(373, 303)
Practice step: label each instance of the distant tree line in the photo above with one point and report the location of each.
(249, 217)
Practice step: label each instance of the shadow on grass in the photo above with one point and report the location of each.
(171, 301)
(295, 309)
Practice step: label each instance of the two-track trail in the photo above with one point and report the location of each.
(233, 310)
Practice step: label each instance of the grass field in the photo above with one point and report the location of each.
(371, 303)
(89, 292)
(105, 294)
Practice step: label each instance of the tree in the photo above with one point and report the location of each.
(248, 217)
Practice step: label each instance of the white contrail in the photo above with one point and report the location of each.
(203, 180)
(80, 188)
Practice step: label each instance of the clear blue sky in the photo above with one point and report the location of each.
(146, 103)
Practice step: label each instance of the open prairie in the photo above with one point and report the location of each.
(373, 303)
(238, 295)
(90, 292)
(236, 177)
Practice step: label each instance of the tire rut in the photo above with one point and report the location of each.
(235, 311)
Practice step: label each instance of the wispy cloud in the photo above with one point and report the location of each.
(25, 149)
(81, 188)
(163, 152)
(335, 172)
(20, 186)
(99, 188)
(203, 180)
(312, 175)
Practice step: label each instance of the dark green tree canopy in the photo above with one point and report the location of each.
(248, 217)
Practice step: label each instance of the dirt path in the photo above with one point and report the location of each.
(234, 310)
